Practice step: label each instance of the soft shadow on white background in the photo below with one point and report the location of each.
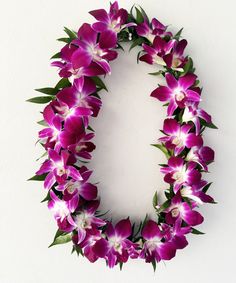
(125, 164)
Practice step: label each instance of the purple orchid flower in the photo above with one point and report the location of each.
(61, 209)
(67, 69)
(176, 233)
(178, 137)
(150, 31)
(90, 50)
(116, 248)
(154, 248)
(202, 155)
(57, 169)
(110, 24)
(92, 236)
(193, 113)
(85, 220)
(177, 92)
(78, 187)
(182, 210)
(159, 52)
(196, 194)
(178, 173)
(176, 58)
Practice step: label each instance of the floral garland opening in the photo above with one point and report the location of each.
(67, 138)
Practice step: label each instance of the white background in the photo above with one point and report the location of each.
(126, 166)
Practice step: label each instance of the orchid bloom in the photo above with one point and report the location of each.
(79, 187)
(154, 248)
(110, 24)
(196, 193)
(177, 92)
(85, 220)
(150, 31)
(68, 70)
(176, 233)
(116, 248)
(90, 50)
(202, 155)
(158, 52)
(178, 173)
(57, 169)
(176, 58)
(193, 113)
(178, 137)
(182, 210)
(61, 209)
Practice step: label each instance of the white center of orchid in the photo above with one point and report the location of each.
(175, 212)
(83, 221)
(152, 244)
(72, 186)
(61, 171)
(178, 141)
(179, 176)
(116, 243)
(179, 94)
(60, 209)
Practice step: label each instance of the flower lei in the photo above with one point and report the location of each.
(67, 139)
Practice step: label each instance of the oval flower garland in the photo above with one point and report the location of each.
(67, 139)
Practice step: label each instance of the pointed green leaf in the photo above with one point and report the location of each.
(139, 16)
(154, 265)
(196, 232)
(64, 82)
(99, 83)
(42, 123)
(155, 200)
(205, 189)
(47, 198)
(163, 149)
(48, 90)
(136, 42)
(61, 239)
(178, 34)
(56, 56)
(38, 178)
(70, 33)
(40, 99)
(65, 39)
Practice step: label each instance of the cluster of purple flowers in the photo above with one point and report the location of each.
(72, 198)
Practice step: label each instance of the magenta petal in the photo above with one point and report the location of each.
(54, 155)
(74, 125)
(81, 58)
(100, 15)
(204, 115)
(151, 230)
(99, 26)
(81, 235)
(171, 107)
(179, 50)
(74, 173)
(193, 95)
(87, 33)
(49, 181)
(166, 251)
(162, 93)
(101, 248)
(180, 242)
(108, 39)
(171, 81)
(206, 154)
(175, 162)
(194, 177)
(171, 126)
(123, 228)
(146, 58)
(191, 217)
(193, 140)
(88, 191)
(187, 81)
(105, 65)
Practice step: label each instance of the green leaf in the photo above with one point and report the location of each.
(205, 189)
(64, 39)
(137, 41)
(156, 73)
(70, 33)
(61, 239)
(188, 67)
(209, 125)
(56, 56)
(178, 34)
(139, 16)
(48, 90)
(64, 82)
(164, 206)
(154, 200)
(154, 265)
(120, 265)
(196, 232)
(40, 99)
(42, 123)
(163, 149)
(38, 178)
(44, 154)
(47, 198)
(90, 129)
(144, 14)
(99, 83)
